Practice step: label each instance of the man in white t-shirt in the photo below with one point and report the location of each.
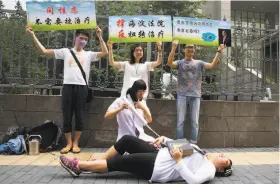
(75, 90)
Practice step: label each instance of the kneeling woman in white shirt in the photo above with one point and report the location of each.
(128, 122)
(155, 165)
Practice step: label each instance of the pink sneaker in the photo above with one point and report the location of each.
(71, 165)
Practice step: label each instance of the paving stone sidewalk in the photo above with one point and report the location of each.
(251, 165)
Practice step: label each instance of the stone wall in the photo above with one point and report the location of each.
(222, 123)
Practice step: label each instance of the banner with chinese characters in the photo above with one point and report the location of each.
(147, 28)
(200, 31)
(61, 15)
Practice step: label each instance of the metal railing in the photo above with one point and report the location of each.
(246, 69)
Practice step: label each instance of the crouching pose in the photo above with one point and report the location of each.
(128, 122)
(151, 163)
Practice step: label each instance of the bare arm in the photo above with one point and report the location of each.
(159, 56)
(43, 50)
(171, 62)
(215, 61)
(104, 50)
(147, 114)
(113, 113)
(112, 62)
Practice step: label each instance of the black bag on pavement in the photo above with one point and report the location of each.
(50, 134)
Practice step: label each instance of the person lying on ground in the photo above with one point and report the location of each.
(156, 165)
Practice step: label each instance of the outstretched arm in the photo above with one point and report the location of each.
(112, 62)
(171, 62)
(104, 50)
(159, 56)
(43, 50)
(214, 63)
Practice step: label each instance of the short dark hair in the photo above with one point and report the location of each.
(188, 45)
(132, 58)
(227, 171)
(137, 85)
(83, 32)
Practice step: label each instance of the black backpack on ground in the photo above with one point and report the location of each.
(50, 134)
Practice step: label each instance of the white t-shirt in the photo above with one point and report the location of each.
(194, 169)
(133, 72)
(127, 121)
(72, 72)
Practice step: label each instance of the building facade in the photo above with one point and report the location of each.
(255, 42)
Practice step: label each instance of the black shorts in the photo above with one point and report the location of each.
(141, 158)
(73, 101)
